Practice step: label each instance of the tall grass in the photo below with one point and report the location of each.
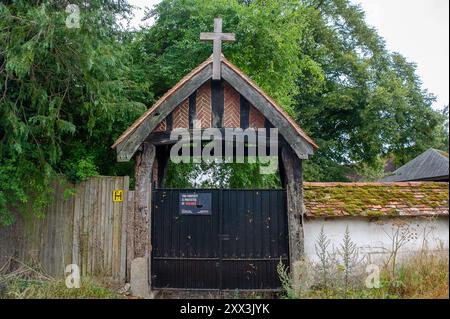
(424, 274)
(20, 280)
(19, 288)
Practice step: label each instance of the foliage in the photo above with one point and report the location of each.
(286, 281)
(399, 235)
(66, 94)
(340, 274)
(350, 261)
(82, 169)
(63, 97)
(424, 275)
(370, 173)
(220, 175)
(325, 264)
(321, 62)
(362, 102)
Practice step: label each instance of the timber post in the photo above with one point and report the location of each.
(140, 267)
(293, 180)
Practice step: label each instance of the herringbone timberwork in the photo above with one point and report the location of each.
(203, 105)
(231, 115)
(161, 126)
(181, 115)
(256, 119)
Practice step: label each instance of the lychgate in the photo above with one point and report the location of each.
(240, 235)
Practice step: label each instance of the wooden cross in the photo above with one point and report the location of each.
(217, 37)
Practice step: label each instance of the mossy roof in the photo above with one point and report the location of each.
(376, 199)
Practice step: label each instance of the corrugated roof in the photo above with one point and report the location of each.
(376, 199)
(191, 74)
(428, 165)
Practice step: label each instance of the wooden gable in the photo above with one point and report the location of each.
(231, 110)
(235, 101)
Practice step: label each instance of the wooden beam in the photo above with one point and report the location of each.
(192, 109)
(142, 200)
(293, 182)
(300, 146)
(213, 36)
(217, 102)
(244, 110)
(267, 124)
(169, 122)
(127, 148)
(163, 138)
(217, 37)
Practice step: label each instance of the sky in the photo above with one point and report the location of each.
(417, 29)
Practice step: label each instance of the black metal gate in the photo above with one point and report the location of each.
(236, 246)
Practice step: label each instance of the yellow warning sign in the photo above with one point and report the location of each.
(118, 195)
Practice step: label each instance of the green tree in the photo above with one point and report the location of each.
(320, 61)
(67, 93)
(266, 47)
(63, 97)
(364, 102)
(268, 34)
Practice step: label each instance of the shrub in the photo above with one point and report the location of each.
(341, 274)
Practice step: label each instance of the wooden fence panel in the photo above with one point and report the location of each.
(87, 229)
(102, 228)
(46, 240)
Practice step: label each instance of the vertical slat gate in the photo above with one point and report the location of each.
(238, 246)
(185, 248)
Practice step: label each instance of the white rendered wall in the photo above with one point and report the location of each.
(372, 238)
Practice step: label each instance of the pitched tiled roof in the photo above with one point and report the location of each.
(189, 76)
(431, 164)
(271, 101)
(158, 103)
(376, 199)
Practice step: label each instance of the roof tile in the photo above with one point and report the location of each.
(376, 199)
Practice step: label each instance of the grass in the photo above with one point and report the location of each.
(424, 275)
(19, 288)
(19, 280)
